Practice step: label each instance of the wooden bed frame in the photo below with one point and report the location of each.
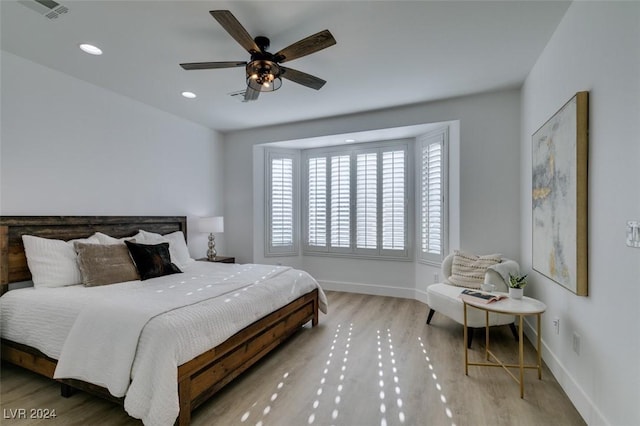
(199, 378)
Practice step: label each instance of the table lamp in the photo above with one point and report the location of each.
(211, 225)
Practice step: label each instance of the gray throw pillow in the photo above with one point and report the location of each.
(102, 264)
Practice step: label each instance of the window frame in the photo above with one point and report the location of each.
(440, 135)
(353, 150)
(289, 250)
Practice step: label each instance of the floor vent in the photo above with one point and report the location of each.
(48, 8)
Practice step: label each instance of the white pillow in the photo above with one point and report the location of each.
(468, 270)
(108, 240)
(53, 262)
(178, 249)
(178, 245)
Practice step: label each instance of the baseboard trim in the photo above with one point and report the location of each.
(421, 296)
(372, 289)
(577, 395)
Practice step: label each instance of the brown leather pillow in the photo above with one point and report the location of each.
(102, 264)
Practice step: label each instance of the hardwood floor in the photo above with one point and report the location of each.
(371, 361)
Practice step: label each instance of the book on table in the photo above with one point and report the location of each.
(477, 296)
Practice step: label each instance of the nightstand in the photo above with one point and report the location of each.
(219, 259)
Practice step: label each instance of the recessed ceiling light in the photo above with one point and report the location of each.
(349, 140)
(91, 49)
(189, 95)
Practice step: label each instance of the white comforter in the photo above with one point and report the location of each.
(239, 294)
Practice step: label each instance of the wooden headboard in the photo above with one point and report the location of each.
(13, 261)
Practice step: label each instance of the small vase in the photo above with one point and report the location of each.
(515, 293)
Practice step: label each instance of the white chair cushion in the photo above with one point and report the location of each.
(443, 298)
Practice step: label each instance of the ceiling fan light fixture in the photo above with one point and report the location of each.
(263, 75)
(263, 71)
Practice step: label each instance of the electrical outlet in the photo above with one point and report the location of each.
(436, 277)
(576, 343)
(556, 325)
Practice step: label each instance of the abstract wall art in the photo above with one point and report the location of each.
(560, 151)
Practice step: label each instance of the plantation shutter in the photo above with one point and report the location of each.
(281, 202)
(356, 200)
(432, 196)
(317, 202)
(281, 234)
(367, 200)
(393, 200)
(340, 201)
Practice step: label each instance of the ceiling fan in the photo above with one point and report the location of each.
(264, 72)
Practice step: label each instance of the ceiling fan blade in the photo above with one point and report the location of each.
(251, 94)
(211, 65)
(306, 46)
(235, 29)
(302, 78)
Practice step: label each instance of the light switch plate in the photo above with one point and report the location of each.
(633, 233)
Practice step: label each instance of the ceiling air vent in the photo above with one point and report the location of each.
(239, 95)
(48, 8)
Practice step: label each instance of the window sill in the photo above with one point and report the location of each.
(407, 258)
(283, 254)
(434, 263)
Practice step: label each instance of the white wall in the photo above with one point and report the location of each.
(487, 165)
(72, 148)
(596, 48)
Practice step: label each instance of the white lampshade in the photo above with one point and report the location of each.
(211, 224)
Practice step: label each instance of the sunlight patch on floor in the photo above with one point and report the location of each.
(267, 409)
(438, 386)
(388, 399)
(335, 358)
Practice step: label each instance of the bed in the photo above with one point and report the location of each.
(205, 371)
